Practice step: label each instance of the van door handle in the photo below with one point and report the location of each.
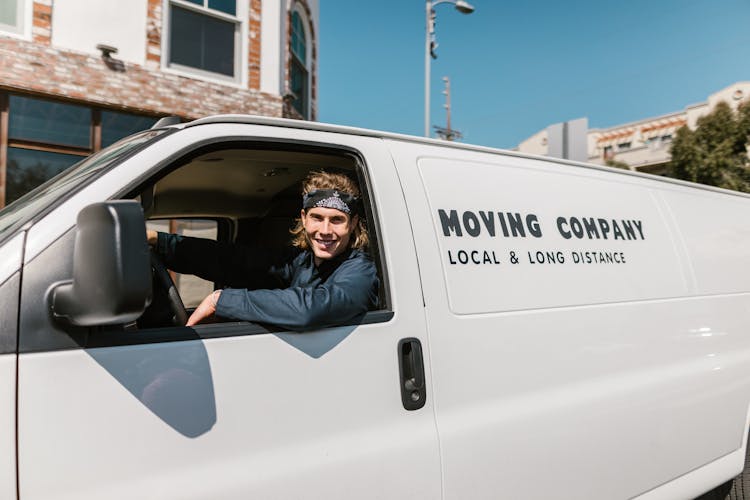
(411, 371)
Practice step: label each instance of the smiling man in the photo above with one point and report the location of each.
(327, 279)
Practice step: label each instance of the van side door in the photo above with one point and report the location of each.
(573, 354)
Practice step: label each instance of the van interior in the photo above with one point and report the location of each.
(243, 193)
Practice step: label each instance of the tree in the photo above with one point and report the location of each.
(611, 162)
(715, 153)
(20, 180)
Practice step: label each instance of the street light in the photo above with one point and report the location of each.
(429, 51)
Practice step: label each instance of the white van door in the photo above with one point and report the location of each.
(226, 410)
(574, 352)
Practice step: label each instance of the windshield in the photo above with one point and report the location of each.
(36, 201)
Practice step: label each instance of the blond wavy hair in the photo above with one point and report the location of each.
(327, 180)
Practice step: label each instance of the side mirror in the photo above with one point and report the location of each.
(111, 267)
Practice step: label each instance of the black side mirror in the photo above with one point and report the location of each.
(111, 268)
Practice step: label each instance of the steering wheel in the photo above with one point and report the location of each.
(180, 315)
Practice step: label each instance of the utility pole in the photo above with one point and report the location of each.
(447, 133)
(463, 7)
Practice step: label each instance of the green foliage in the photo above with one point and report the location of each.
(610, 162)
(715, 153)
(22, 180)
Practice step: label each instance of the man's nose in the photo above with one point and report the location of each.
(325, 226)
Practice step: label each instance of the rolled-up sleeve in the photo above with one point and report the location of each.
(349, 292)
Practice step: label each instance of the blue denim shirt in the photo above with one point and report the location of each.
(285, 290)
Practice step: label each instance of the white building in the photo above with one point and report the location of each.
(644, 144)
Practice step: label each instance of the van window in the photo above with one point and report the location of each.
(192, 289)
(40, 200)
(242, 194)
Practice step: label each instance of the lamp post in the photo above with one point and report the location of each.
(464, 8)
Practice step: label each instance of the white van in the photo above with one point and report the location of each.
(546, 329)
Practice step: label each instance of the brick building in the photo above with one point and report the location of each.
(77, 75)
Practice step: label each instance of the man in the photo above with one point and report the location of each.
(327, 280)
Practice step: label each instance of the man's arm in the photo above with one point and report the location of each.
(348, 293)
(231, 265)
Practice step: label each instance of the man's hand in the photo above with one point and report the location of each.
(206, 309)
(151, 237)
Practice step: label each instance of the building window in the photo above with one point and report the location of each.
(203, 37)
(49, 122)
(44, 137)
(116, 125)
(623, 145)
(666, 138)
(11, 15)
(300, 74)
(608, 152)
(29, 168)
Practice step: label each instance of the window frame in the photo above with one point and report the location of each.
(240, 42)
(305, 65)
(117, 336)
(24, 16)
(55, 262)
(221, 236)
(6, 142)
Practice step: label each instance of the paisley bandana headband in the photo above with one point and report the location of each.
(330, 198)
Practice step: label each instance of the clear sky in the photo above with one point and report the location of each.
(518, 66)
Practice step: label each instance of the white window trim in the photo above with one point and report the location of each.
(308, 53)
(26, 14)
(241, 46)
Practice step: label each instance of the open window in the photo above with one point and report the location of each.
(191, 288)
(248, 194)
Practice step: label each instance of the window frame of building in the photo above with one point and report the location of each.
(9, 143)
(240, 22)
(22, 26)
(302, 104)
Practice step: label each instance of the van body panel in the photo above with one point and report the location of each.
(39, 332)
(226, 418)
(8, 426)
(8, 358)
(9, 291)
(270, 415)
(11, 254)
(537, 223)
(716, 234)
(700, 480)
(607, 400)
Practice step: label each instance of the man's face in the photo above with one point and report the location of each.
(328, 231)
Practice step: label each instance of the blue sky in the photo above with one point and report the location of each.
(518, 66)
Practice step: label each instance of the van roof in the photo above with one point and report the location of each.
(341, 129)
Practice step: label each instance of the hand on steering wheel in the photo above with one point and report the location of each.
(180, 315)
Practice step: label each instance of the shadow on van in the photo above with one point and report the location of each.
(317, 343)
(173, 380)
